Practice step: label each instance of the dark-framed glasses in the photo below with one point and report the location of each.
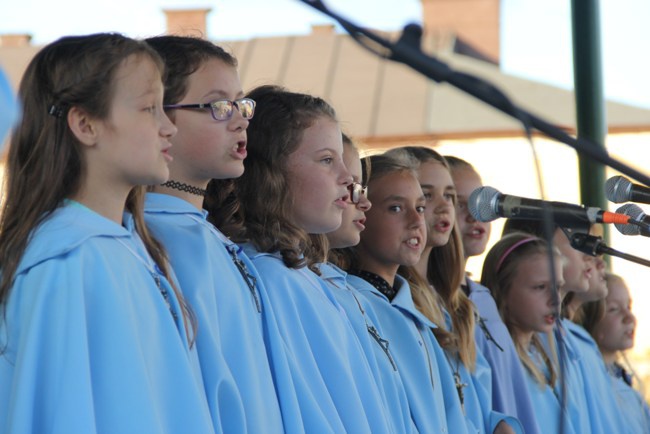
(222, 109)
(356, 190)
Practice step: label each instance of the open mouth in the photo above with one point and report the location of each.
(360, 223)
(413, 242)
(342, 201)
(477, 232)
(442, 226)
(240, 148)
(166, 154)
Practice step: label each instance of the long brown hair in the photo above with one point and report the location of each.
(257, 208)
(446, 272)
(499, 271)
(45, 164)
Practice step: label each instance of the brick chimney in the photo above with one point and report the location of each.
(187, 22)
(15, 39)
(322, 29)
(476, 22)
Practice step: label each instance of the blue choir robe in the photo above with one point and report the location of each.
(90, 343)
(509, 391)
(633, 408)
(430, 388)
(477, 391)
(604, 414)
(570, 387)
(230, 344)
(378, 349)
(546, 401)
(329, 372)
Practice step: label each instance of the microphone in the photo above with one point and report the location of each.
(619, 189)
(588, 244)
(594, 246)
(487, 204)
(637, 215)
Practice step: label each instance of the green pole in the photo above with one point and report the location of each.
(590, 104)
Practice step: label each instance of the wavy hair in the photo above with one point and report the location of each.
(256, 207)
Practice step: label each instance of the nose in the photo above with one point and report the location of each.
(167, 127)
(554, 298)
(364, 203)
(237, 121)
(415, 219)
(441, 204)
(469, 218)
(344, 174)
(629, 317)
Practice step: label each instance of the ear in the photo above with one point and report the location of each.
(83, 126)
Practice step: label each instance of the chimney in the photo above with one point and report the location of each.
(322, 29)
(15, 39)
(187, 22)
(476, 22)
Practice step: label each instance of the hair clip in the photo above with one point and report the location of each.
(56, 111)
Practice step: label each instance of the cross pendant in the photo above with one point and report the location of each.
(459, 388)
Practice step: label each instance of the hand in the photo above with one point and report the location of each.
(503, 428)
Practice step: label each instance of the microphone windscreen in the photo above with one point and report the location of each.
(480, 204)
(617, 189)
(633, 211)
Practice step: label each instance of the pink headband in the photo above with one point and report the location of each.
(513, 247)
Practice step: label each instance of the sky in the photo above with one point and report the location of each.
(535, 35)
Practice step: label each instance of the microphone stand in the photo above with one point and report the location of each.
(594, 246)
(407, 50)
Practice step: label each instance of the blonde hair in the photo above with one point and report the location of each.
(499, 271)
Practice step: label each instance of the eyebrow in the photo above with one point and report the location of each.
(151, 90)
(221, 94)
(327, 149)
(396, 197)
(447, 188)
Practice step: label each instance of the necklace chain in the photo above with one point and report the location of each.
(184, 187)
(458, 379)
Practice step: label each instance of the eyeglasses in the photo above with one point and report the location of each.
(356, 190)
(222, 109)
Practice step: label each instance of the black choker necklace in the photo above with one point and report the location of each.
(184, 187)
(378, 282)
